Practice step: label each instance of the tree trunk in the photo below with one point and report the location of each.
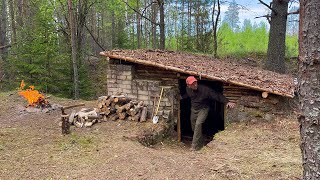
(113, 24)
(138, 25)
(162, 25)
(73, 50)
(154, 26)
(214, 28)
(309, 78)
(13, 23)
(276, 46)
(189, 44)
(197, 25)
(182, 27)
(20, 13)
(3, 30)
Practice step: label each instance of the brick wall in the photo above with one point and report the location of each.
(122, 78)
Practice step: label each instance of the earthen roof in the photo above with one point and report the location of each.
(210, 68)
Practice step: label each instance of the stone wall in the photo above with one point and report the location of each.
(123, 79)
(255, 108)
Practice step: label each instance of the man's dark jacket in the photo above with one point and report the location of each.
(201, 97)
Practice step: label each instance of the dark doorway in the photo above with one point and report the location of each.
(215, 119)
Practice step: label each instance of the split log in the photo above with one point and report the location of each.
(114, 117)
(122, 115)
(130, 104)
(88, 124)
(72, 116)
(121, 100)
(143, 116)
(125, 107)
(133, 111)
(136, 117)
(109, 101)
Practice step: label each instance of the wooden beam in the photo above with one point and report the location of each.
(265, 94)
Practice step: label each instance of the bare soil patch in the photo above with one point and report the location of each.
(32, 147)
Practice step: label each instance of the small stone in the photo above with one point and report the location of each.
(269, 117)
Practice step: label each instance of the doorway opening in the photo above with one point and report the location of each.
(215, 120)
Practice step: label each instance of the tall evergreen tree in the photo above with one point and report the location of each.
(232, 16)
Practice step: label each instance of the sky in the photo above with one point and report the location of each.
(251, 9)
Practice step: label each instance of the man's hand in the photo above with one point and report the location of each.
(231, 105)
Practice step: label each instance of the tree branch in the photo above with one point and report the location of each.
(266, 16)
(141, 14)
(95, 40)
(294, 12)
(268, 6)
(5, 46)
(147, 7)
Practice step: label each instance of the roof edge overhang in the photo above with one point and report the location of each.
(194, 73)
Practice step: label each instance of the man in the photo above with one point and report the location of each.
(201, 96)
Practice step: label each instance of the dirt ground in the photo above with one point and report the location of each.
(32, 147)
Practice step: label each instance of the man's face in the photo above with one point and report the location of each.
(193, 86)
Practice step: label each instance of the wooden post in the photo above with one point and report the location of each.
(178, 123)
(65, 127)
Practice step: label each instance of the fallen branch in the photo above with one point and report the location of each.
(6, 46)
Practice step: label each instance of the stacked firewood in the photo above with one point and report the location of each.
(120, 107)
(86, 117)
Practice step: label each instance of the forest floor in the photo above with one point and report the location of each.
(32, 147)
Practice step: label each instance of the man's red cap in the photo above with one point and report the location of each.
(190, 80)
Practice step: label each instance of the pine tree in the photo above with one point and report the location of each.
(232, 16)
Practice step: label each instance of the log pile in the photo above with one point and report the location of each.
(86, 117)
(120, 107)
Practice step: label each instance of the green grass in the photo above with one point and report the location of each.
(77, 141)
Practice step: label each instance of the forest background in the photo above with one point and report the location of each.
(36, 37)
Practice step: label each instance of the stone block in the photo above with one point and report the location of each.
(154, 93)
(132, 96)
(168, 104)
(126, 73)
(271, 100)
(160, 113)
(143, 97)
(148, 103)
(163, 104)
(112, 85)
(129, 77)
(250, 104)
(164, 99)
(126, 82)
(141, 92)
(122, 67)
(113, 89)
(112, 67)
(250, 98)
(121, 77)
(142, 85)
(113, 76)
(126, 91)
(124, 86)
